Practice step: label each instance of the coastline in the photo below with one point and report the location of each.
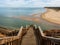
(34, 19)
(51, 19)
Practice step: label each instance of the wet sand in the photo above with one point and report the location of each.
(32, 18)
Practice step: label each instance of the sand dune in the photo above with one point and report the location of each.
(52, 16)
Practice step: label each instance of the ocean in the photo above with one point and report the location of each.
(7, 14)
(7, 18)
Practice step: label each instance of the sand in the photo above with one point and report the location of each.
(52, 16)
(1, 35)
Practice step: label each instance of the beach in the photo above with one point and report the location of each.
(52, 16)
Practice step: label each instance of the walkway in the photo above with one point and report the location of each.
(29, 38)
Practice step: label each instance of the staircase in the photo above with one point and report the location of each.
(30, 35)
(29, 38)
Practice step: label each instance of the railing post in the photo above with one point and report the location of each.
(20, 31)
(35, 27)
(27, 26)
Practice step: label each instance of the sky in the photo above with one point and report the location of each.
(29, 3)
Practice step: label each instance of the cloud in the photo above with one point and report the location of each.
(29, 3)
(55, 3)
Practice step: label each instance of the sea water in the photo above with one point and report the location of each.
(7, 19)
(7, 14)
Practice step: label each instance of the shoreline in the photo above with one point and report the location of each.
(51, 20)
(48, 18)
(34, 19)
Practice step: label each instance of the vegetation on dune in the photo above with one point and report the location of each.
(55, 8)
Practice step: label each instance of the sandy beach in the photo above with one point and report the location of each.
(52, 16)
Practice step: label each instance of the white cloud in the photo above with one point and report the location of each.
(29, 3)
(55, 3)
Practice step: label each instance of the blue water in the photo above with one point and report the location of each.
(19, 11)
(7, 20)
(6, 15)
